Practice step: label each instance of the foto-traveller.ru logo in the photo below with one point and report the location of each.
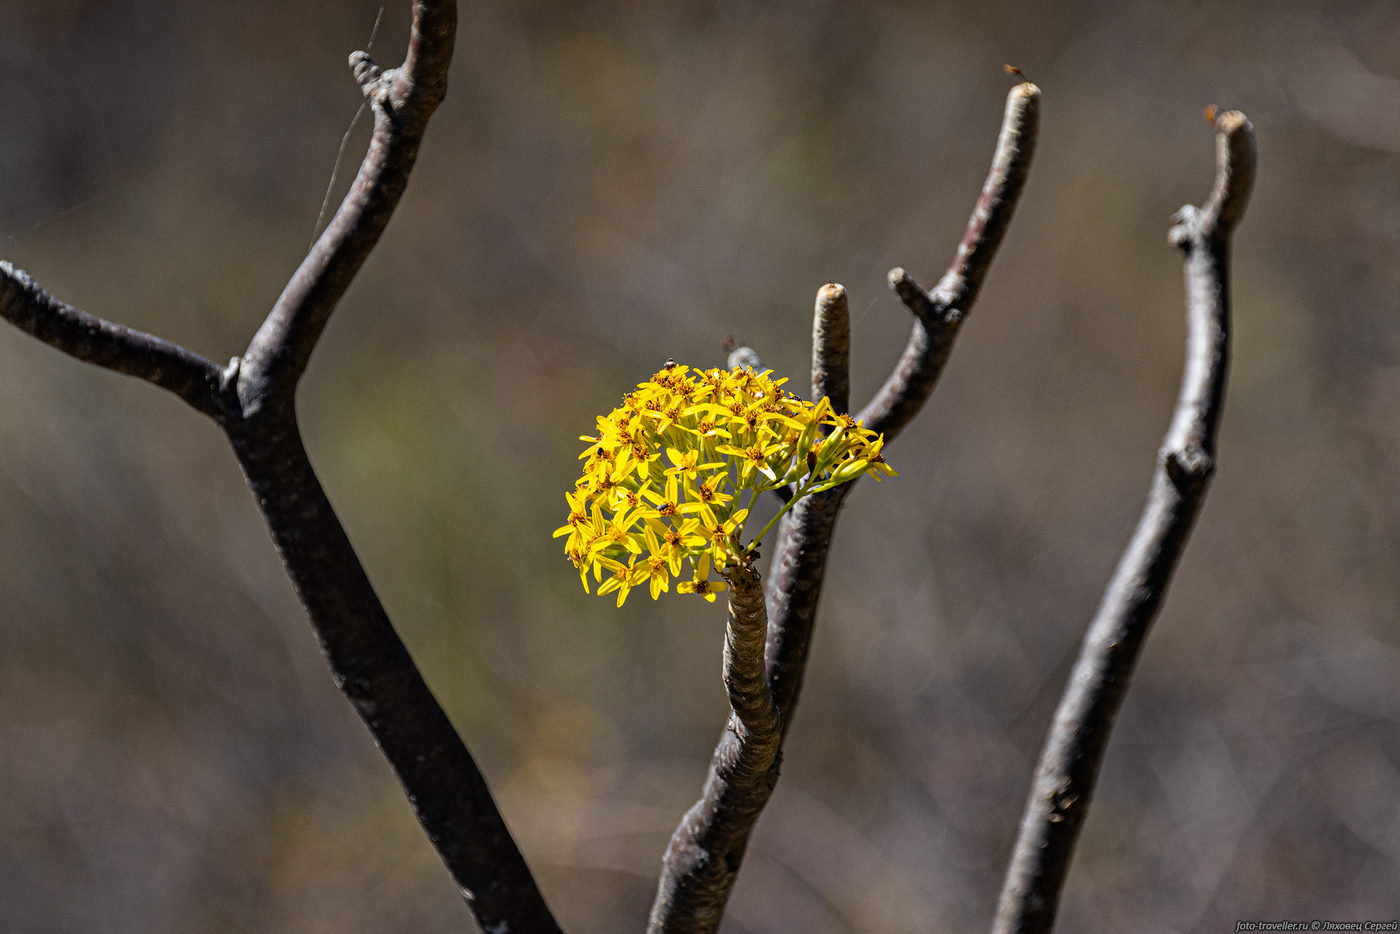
(1393, 925)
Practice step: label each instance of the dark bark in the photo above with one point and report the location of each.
(377, 675)
(1069, 765)
(93, 340)
(254, 400)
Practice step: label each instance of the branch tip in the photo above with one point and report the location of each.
(1235, 159)
(831, 346)
(913, 295)
(1024, 94)
(402, 99)
(1082, 724)
(908, 387)
(367, 74)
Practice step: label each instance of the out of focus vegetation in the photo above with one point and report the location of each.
(609, 185)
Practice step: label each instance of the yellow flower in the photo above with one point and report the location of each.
(687, 463)
(722, 534)
(612, 533)
(755, 457)
(701, 585)
(622, 578)
(579, 523)
(658, 573)
(635, 517)
(673, 542)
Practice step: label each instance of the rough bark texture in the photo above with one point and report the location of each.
(831, 347)
(1069, 765)
(707, 848)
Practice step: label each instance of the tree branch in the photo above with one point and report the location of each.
(804, 534)
(720, 823)
(1069, 765)
(831, 347)
(369, 662)
(93, 340)
(253, 399)
(707, 848)
(402, 100)
(374, 671)
(939, 314)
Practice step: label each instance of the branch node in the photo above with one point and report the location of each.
(370, 77)
(1189, 466)
(228, 376)
(913, 295)
(1186, 226)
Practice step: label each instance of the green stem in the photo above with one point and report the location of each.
(801, 492)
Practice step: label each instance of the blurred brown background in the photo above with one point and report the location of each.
(609, 185)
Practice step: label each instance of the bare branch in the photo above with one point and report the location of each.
(254, 401)
(707, 848)
(373, 669)
(939, 313)
(369, 662)
(804, 534)
(1074, 749)
(89, 338)
(831, 347)
(402, 100)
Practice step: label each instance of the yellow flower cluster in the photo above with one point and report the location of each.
(664, 475)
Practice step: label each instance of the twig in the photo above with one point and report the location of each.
(939, 314)
(89, 338)
(402, 100)
(804, 535)
(253, 399)
(831, 347)
(720, 822)
(1069, 764)
(707, 848)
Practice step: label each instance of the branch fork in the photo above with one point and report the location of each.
(253, 399)
(715, 831)
(769, 630)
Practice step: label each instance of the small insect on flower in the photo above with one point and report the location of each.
(636, 516)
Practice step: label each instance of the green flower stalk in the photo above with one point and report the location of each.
(665, 478)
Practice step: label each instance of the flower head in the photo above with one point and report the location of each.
(637, 516)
